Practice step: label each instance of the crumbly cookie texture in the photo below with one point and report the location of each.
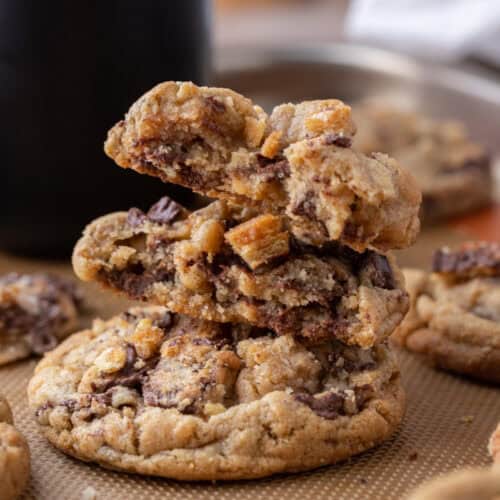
(224, 263)
(494, 446)
(453, 172)
(14, 456)
(36, 312)
(296, 162)
(466, 484)
(454, 317)
(157, 393)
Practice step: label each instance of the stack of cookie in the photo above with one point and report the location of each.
(263, 347)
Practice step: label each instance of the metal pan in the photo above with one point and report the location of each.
(354, 72)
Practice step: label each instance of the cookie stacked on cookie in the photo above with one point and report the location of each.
(263, 347)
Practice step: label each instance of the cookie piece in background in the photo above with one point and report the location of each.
(453, 172)
(14, 456)
(295, 162)
(467, 484)
(36, 312)
(225, 263)
(494, 446)
(454, 317)
(156, 393)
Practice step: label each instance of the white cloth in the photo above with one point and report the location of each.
(443, 30)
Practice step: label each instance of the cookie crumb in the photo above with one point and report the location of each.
(413, 456)
(467, 419)
(89, 493)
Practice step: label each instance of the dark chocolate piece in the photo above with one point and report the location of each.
(481, 259)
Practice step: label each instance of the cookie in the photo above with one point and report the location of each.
(453, 172)
(454, 317)
(494, 446)
(297, 162)
(36, 312)
(466, 484)
(157, 393)
(14, 456)
(224, 263)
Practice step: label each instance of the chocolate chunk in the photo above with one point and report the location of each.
(14, 320)
(351, 231)
(128, 376)
(278, 167)
(215, 104)
(135, 280)
(481, 259)
(379, 271)
(306, 206)
(136, 217)
(192, 179)
(165, 322)
(164, 211)
(329, 406)
(42, 339)
(338, 140)
(363, 393)
(349, 364)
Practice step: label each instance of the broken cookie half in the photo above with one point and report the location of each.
(296, 163)
(230, 264)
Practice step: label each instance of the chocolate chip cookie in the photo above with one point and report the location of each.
(297, 162)
(454, 317)
(36, 312)
(466, 484)
(494, 446)
(158, 393)
(452, 171)
(225, 263)
(14, 456)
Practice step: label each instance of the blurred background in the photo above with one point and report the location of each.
(70, 70)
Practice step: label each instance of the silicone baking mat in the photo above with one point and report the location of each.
(447, 426)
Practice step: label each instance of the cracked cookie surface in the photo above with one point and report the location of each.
(14, 455)
(452, 171)
(157, 393)
(454, 317)
(224, 263)
(297, 162)
(36, 312)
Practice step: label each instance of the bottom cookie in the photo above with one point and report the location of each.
(162, 394)
(467, 484)
(14, 456)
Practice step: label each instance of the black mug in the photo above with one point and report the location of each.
(70, 69)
